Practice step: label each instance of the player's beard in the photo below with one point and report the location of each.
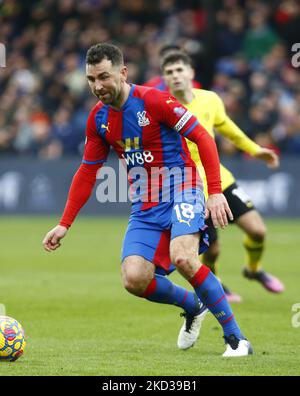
(106, 98)
(110, 98)
(115, 99)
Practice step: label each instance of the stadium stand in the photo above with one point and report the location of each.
(241, 49)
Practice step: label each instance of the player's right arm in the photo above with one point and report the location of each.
(95, 154)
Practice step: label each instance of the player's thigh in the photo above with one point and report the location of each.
(244, 212)
(185, 246)
(188, 219)
(146, 239)
(253, 225)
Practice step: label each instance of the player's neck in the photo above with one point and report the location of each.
(124, 94)
(184, 97)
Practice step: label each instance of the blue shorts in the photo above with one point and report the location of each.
(150, 231)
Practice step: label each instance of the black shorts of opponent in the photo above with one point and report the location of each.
(239, 203)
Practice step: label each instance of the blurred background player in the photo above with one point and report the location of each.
(208, 107)
(158, 81)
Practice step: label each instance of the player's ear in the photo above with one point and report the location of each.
(123, 73)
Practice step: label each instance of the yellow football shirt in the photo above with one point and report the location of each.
(209, 109)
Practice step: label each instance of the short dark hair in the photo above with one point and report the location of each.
(168, 48)
(98, 52)
(175, 56)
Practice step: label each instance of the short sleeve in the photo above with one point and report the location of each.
(166, 109)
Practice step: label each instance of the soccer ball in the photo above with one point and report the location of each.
(12, 339)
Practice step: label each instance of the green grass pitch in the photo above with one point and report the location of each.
(80, 321)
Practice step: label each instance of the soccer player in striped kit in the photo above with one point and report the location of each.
(146, 128)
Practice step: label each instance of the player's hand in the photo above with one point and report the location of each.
(218, 209)
(52, 239)
(269, 156)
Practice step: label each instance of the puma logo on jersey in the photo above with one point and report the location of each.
(185, 221)
(105, 127)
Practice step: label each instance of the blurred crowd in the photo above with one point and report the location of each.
(241, 50)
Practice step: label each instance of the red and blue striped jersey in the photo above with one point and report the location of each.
(146, 132)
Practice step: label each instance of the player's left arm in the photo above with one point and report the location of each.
(227, 128)
(95, 154)
(170, 112)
